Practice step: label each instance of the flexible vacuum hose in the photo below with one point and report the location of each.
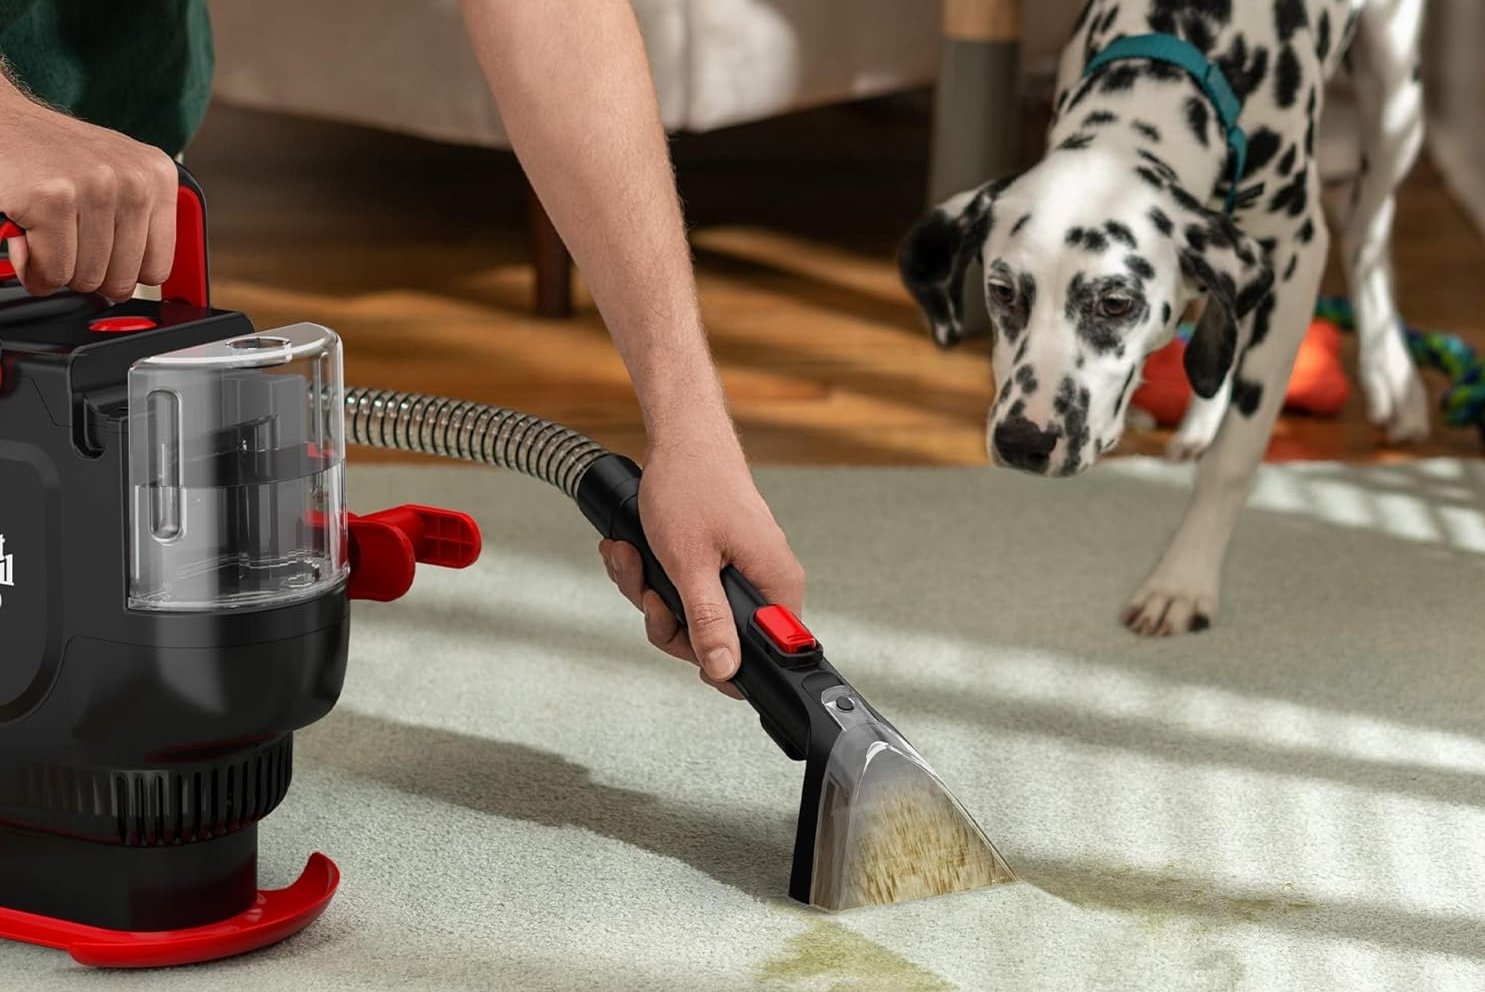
(490, 435)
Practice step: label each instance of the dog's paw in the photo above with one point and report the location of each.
(1163, 607)
(1197, 431)
(1396, 399)
(1184, 448)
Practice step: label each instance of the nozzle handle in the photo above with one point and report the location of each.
(783, 688)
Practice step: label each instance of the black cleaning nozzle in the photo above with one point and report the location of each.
(875, 823)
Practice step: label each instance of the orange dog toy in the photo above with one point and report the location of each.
(1318, 385)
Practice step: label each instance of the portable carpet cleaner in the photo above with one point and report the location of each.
(176, 569)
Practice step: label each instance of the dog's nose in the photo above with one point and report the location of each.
(1021, 444)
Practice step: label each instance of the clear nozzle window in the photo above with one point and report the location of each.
(236, 472)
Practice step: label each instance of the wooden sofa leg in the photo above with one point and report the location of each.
(976, 119)
(553, 296)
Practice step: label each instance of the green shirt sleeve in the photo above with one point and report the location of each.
(141, 68)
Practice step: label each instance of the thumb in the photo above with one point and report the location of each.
(16, 249)
(709, 623)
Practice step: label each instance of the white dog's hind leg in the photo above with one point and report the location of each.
(1200, 425)
(1182, 591)
(1390, 102)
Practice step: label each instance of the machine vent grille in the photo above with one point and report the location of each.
(150, 808)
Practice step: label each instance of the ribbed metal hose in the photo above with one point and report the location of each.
(490, 435)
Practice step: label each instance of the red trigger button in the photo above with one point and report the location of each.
(784, 629)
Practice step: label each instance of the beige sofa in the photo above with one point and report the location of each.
(406, 66)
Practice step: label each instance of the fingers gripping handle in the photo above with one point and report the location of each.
(782, 670)
(189, 280)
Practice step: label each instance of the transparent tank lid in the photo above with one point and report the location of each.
(236, 472)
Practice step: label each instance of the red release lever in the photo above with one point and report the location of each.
(386, 547)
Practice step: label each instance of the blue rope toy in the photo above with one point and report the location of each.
(1463, 402)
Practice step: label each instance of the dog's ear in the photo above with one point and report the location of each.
(936, 252)
(1233, 271)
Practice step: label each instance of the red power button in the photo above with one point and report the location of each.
(784, 629)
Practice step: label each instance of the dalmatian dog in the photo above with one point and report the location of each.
(1093, 257)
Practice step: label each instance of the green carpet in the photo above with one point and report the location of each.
(522, 795)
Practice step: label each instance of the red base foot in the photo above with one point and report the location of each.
(273, 916)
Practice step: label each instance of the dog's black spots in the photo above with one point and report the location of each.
(1199, 34)
(1306, 232)
(1263, 318)
(1292, 198)
(1012, 316)
(1082, 360)
(1061, 101)
(1289, 17)
(1322, 35)
(1101, 332)
(1139, 266)
(1149, 176)
(1267, 246)
(1067, 391)
(1149, 131)
(1247, 395)
(1289, 269)
(1245, 70)
(1021, 351)
(1161, 221)
(1018, 408)
(1248, 196)
(1080, 93)
(1313, 100)
(1287, 77)
(1087, 238)
(1197, 237)
(1263, 145)
(1286, 164)
(1083, 16)
(1164, 314)
(1108, 20)
(1026, 379)
(1099, 118)
(1200, 622)
(1120, 233)
(1016, 227)
(1072, 405)
(1164, 72)
(1075, 142)
(1185, 200)
(1119, 78)
(1160, 165)
(1198, 116)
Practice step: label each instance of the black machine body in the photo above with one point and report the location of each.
(173, 606)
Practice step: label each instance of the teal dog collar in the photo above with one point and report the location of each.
(1178, 52)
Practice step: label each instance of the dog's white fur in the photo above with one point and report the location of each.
(1075, 318)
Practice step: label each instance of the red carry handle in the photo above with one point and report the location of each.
(187, 282)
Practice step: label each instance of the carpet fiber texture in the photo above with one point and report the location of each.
(522, 795)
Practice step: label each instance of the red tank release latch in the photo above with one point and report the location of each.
(386, 547)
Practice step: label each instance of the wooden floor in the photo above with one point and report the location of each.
(415, 252)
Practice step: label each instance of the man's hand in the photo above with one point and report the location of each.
(701, 511)
(98, 207)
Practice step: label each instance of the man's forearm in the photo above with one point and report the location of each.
(574, 91)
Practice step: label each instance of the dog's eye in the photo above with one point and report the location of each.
(1002, 293)
(1115, 306)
